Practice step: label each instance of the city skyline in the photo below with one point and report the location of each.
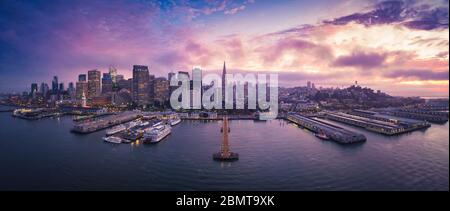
(400, 47)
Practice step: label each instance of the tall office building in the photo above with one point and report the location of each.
(224, 72)
(61, 87)
(81, 88)
(107, 83)
(308, 84)
(71, 91)
(44, 88)
(34, 88)
(113, 74)
(55, 84)
(94, 86)
(140, 87)
(82, 77)
(151, 88)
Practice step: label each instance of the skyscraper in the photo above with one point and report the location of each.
(94, 86)
(107, 83)
(140, 85)
(113, 74)
(55, 84)
(224, 72)
(82, 77)
(44, 88)
(81, 89)
(151, 88)
(61, 87)
(71, 90)
(34, 88)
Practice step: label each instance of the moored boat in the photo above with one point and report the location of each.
(112, 139)
(157, 134)
(174, 121)
(115, 129)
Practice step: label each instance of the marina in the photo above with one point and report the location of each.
(327, 131)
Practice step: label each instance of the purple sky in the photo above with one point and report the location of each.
(400, 47)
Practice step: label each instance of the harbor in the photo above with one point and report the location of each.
(327, 131)
(376, 123)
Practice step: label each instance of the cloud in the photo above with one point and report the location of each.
(361, 60)
(407, 13)
(418, 74)
(234, 10)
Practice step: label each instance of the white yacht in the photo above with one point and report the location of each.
(115, 129)
(174, 121)
(112, 139)
(157, 133)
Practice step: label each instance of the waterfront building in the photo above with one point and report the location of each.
(107, 83)
(140, 86)
(94, 87)
(82, 77)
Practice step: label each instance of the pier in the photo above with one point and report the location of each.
(374, 123)
(333, 132)
(35, 114)
(225, 154)
(419, 114)
(105, 122)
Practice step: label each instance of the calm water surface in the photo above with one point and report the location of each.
(274, 155)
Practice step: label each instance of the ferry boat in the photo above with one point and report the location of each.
(112, 139)
(115, 129)
(157, 134)
(174, 121)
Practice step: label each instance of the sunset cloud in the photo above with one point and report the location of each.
(385, 44)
